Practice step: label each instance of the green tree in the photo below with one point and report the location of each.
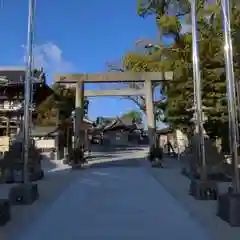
(134, 116)
(58, 106)
(148, 62)
(178, 58)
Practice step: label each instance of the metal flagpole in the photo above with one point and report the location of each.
(32, 68)
(197, 91)
(231, 91)
(27, 87)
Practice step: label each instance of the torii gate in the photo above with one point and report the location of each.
(148, 78)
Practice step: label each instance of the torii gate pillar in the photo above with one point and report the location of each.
(150, 112)
(79, 113)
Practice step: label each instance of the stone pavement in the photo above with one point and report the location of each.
(114, 201)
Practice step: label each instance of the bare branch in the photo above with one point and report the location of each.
(116, 67)
(138, 100)
(140, 105)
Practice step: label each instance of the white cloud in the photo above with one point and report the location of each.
(50, 57)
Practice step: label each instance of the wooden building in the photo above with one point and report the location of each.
(12, 81)
(47, 137)
(121, 132)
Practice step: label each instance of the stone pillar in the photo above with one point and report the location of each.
(57, 147)
(18, 123)
(66, 143)
(150, 111)
(69, 141)
(61, 145)
(8, 126)
(79, 113)
(86, 140)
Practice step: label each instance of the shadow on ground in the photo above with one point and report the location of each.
(98, 156)
(131, 162)
(50, 188)
(48, 162)
(114, 149)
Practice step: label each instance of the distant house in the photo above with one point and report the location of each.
(121, 131)
(45, 136)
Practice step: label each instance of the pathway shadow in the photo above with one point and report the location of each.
(114, 149)
(47, 162)
(129, 163)
(93, 157)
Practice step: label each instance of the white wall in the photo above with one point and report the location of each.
(4, 143)
(182, 140)
(45, 143)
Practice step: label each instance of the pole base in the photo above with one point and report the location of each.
(24, 194)
(66, 161)
(157, 164)
(5, 212)
(229, 208)
(155, 153)
(184, 171)
(187, 173)
(77, 166)
(203, 190)
(39, 175)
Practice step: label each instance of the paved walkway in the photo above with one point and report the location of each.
(115, 203)
(203, 211)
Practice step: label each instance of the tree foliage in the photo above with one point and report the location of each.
(56, 107)
(177, 57)
(133, 115)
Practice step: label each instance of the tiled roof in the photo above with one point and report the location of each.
(16, 75)
(43, 130)
(111, 123)
(120, 123)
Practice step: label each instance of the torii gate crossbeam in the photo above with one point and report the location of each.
(111, 77)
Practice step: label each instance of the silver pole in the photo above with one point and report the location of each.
(32, 67)
(237, 106)
(231, 91)
(27, 87)
(197, 89)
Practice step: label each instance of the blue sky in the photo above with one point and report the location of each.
(78, 36)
